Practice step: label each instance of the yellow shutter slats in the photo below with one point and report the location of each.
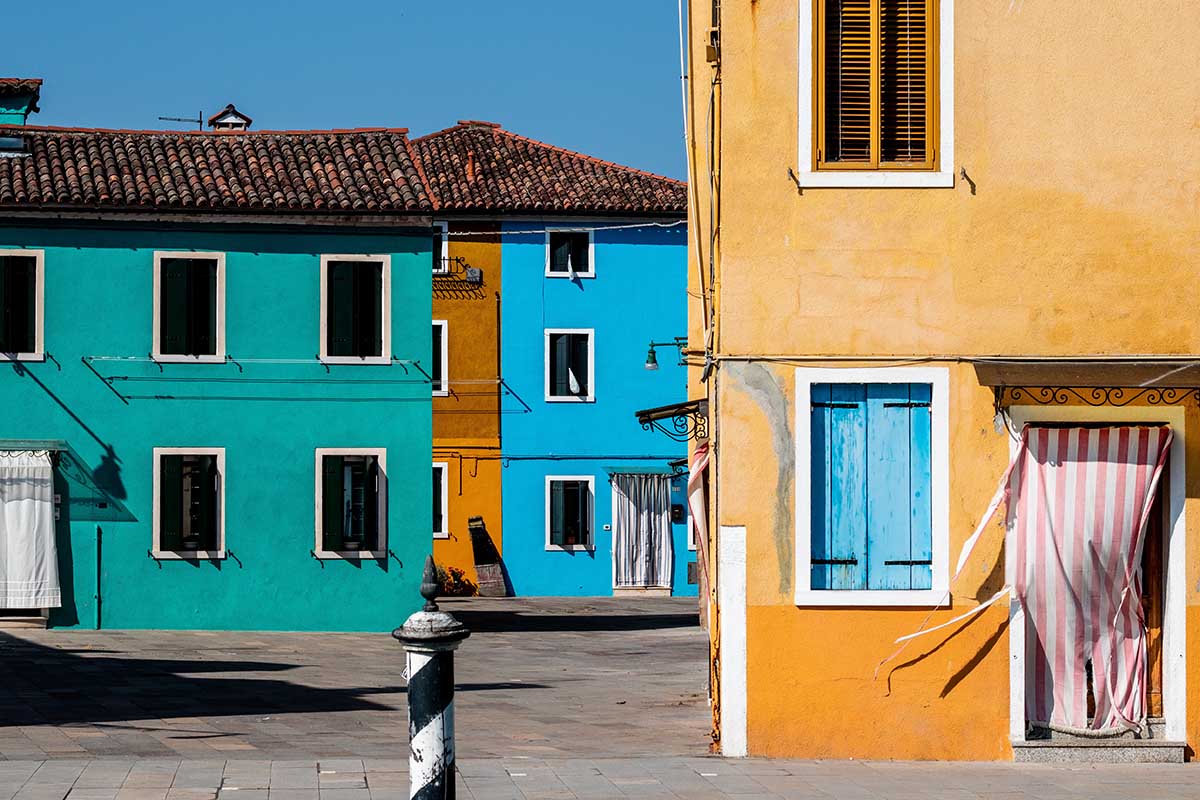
(904, 64)
(848, 55)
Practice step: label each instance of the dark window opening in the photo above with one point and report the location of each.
(570, 513)
(188, 307)
(355, 309)
(439, 243)
(570, 253)
(18, 300)
(189, 509)
(569, 365)
(439, 513)
(437, 370)
(351, 492)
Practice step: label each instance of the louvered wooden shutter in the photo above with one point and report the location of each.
(173, 306)
(205, 515)
(332, 503)
(903, 73)
(557, 513)
(847, 89)
(170, 503)
(339, 309)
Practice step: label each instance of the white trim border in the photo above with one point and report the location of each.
(156, 336)
(591, 270)
(385, 356)
(319, 551)
(444, 468)
(572, 548)
(591, 378)
(39, 307)
(444, 381)
(187, 555)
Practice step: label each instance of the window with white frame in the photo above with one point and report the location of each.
(356, 309)
(22, 283)
(876, 105)
(189, 502)
(570, 512)
(441, 247)
(570, 364)
(440, 358)
(441, 527)
(189, 307)
(871, 516)
(569, 254)
(351, 502)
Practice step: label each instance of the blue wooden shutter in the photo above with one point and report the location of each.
(889, 476)
(839, 473)
(921, 483)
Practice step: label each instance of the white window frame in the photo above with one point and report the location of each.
(939, 413)
(156, 542)
(591, 379)
(444, 468)
(445, 382)
(943, 177)
(591, 270)
(572, 548)
(385, 356)
(319, 550)
(156, 346)
(444, 227)
(39, 306)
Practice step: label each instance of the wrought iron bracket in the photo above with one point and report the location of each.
(1094, 396)
(680, 422)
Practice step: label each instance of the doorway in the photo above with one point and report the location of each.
(642, 548)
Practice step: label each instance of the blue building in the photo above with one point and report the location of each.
(214, 400)
(594, 269)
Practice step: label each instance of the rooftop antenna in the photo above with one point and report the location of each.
(198, 119)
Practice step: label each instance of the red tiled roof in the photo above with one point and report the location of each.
(16, 86)
(478, 167)
(366, 171)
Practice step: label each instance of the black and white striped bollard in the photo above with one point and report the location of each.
(430, 638)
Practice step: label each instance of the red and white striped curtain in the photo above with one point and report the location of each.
(1079, 502)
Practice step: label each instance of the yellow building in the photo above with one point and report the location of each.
(984, 215)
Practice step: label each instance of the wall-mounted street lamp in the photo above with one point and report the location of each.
(680, 342)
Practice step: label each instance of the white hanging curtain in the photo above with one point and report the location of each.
(642, 552)
(28, 556)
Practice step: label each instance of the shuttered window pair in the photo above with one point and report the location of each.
(570, 254)
(187, 306)
(570, 513)
(189, 503)
(354, 309)
(569, 365)
(872, 518)
(18, 304)
(876, 81)
(352, 503)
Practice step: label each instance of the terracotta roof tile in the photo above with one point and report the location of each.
(16, 86)
(366, 171)
(478, 167)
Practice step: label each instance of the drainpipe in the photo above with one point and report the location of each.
(99, 562)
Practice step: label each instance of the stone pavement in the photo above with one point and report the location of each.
(677, 778)
(541, 678)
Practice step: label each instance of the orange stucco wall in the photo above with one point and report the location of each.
(466, 424)
(1077, 122)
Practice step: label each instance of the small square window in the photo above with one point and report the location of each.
(441, 248)
(351, 503)
(441, 528)
(189, 313)
(21, 305)
(569, 512)
(569, 254)
(189, 508)
(569, 365)
(355, 312)
(440, 359)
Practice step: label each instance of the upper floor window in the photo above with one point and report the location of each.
(441, 353)
(189, 508)
(569, 254)
(570, 371)
(441, 247)
(876, 93)
(351, 503)
(189, 306)
(355, 312)
(21, 304)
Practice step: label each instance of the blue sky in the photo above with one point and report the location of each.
(601, 78)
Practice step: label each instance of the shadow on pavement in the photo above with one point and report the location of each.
(497, 621)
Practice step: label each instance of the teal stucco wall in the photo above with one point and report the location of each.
(269, 417)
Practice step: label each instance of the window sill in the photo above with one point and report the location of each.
(171, 358)
(888, 598)
(570, 548)
(569, 277)
(188, 555)
(441, 535)
(350, 555)
(441, 392)
(22, 356)
(876, 179)
(356, 359)
(569, 399)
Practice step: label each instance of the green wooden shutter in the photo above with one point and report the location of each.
(560, 251)
(170, 503)
(202, 307)
(339, 309)
(332, 499)
(559, 361)
(368, 310)
(557, 513)
(372, 487)
(173, 306)
(579, 362)
(205, 488)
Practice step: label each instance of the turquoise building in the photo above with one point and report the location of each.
(219, 341)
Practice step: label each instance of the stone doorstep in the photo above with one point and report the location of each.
(1099, 751)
